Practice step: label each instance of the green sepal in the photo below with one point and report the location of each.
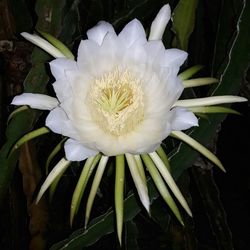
(196, 82)
(96, 182)
(31, 135)
(58, 44)
(119, 194)
(87, 170)
(53, 153)
(160, 185)
(16, 111)
(213, 109)
(199, 147)
(190, 72)
(60, 167)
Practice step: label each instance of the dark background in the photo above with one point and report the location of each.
(220, 202)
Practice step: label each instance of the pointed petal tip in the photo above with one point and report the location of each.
(159, 23)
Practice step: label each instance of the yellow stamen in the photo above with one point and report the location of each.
(116, 101)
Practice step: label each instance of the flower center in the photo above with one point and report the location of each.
(116, 102)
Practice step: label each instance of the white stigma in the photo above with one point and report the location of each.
(116, 102)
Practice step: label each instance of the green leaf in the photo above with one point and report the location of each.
(234, 70)
(131, 235)
(54, 19)
(103, 224)
(183, 22)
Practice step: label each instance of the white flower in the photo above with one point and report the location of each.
(118, 96)
(121, 97)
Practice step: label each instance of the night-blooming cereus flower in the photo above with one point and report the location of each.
(117, 97)
(120, 97)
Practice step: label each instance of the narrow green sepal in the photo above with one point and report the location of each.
(170, 181)
(87, 170)
(139, 181)
(53, 153)
(60, 167)
(190, 72)
(54, 184)
(160, 151)
(199, 82)
(16, 111)
(213, 109)
(160, 185)
(199, 147)
(96, 182)
(119, 194)
(27, 137)
(58, 44)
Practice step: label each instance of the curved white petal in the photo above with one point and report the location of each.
(182, 119)
(133, 34)
(59, 168)
(43, 44)
(154, 49)
(98, 32)
(59, 123)
(159, 24)
(75, 151)
(87, 53)
(36, 101)
(60, 65)
(173, 58)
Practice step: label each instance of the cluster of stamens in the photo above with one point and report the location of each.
(116, 101)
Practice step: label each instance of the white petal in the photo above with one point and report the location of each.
(58, 122)
(62, 89)
(134, 56)
(86, 48)
(160, 22)
(77, 152)
(60, 65)
(182, 119)
(140, 185)
(36, 101)
(42, 43)
(173, 58)
(98, 32)
(88, 56)
(154, 49)
(133, 34)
